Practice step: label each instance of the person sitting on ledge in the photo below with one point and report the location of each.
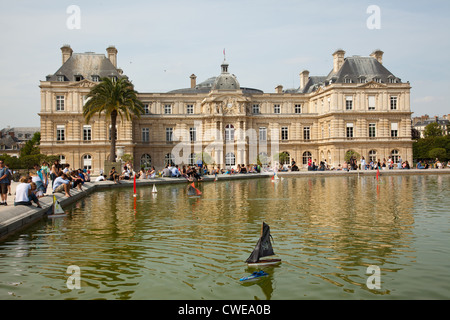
(175, 172)
(77, 181)
(62, 184)
(126, 174)
(151, 173)
(420, 165)
(114, 176)
(166, 171)
(24, 194)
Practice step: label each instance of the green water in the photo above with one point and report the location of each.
(326, 230)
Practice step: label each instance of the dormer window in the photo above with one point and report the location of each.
(378, 80)
(96, 78)
(78, 77)
(60, 78)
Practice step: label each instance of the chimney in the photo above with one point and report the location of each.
(66, 53)
(304, 76)
(377, 54)
(112, 55)
(193, 81)
(338, 59)
(279, 89)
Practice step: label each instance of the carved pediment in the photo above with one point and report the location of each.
(84, 84)
(226, 104)
(372, 85)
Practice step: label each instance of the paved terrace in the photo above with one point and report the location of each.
(14, 218)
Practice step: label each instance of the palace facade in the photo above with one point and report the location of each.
(359, 106)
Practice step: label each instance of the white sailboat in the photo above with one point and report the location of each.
(58, 211)
(154, 189)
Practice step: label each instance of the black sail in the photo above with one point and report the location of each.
(263, 248)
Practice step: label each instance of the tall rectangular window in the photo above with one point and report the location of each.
(276, 108)
(284, 133)
(262, 134)
(371, 100)
(59, 103)
(193, 134)
(394, 129)
(167, 109)
(169, 134)
(189, 109)
(298, 108)
(87, 133)
(306, 133)
(60, 133)
(372, 130)
(255, 109)
(349, 103)
(145, 134)
(349, 132)
(393, 103)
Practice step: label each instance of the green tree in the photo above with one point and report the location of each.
(432, 130)
(350, 153)
(113, 98)
(439, 153)
(31, 147)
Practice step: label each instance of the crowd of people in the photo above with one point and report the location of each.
(61, 178)
(194, 172)
(35, 184)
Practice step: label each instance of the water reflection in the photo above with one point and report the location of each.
(168, 245)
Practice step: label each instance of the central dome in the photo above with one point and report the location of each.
(226, 81)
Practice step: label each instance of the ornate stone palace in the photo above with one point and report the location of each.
(359, 106)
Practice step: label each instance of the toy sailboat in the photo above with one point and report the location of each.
(263, 249)
(193, 191)
(57, 210)
(154, 189)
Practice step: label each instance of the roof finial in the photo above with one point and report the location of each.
(224, 56)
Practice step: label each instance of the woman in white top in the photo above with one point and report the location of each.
(24, 195)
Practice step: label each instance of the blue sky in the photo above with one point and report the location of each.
(161, 43)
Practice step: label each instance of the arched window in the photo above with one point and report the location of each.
(169, 159)
(146, 160)
(285, 158)
(87, 162)
(229, 132)
(306, 156)
(373, 155)
(395, 156)
(230, 159)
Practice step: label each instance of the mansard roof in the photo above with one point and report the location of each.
(86, 65)
(357, 67)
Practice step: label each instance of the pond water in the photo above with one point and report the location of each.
(330, 232)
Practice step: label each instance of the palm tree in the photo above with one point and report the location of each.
(113, 98)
